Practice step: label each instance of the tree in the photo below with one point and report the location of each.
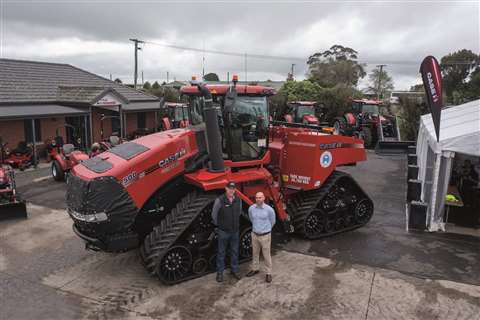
(409, 116)
(211, 77)
(156, 85)
(417, 88)
(117, 80)
(375, 78)
(147, 85)
(336, 66)
(456, 69)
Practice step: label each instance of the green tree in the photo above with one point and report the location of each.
(117, 80)
(147, 85)
(375, 78)
(409, 116)
(336, 66)
(211, 77)
(456, 68)
(156, 85)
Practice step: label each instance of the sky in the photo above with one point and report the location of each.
(94, 35)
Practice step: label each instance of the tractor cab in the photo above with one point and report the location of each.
(176, 114)
(302, 112)
(242, 115)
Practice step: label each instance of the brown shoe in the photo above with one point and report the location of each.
(268, 278)
(251, 273)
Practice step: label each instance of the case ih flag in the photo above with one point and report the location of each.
(432, 81)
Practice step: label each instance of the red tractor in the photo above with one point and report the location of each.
(365, 121)
(10, 203)
(21, 157)
(64, 155)
(175, 115)
(303, 112)
(157, 192)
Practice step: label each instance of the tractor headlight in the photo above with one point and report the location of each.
(94, 217)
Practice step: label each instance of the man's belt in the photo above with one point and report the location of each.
(261, 234)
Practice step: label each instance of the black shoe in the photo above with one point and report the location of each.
(235, 275)
(219, 277)
(251, 273)
(268, 278)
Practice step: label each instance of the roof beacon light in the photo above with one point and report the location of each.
(194, 77)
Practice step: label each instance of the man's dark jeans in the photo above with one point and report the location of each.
(226, 239)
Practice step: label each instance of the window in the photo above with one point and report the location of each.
(115, 125)
(28, 128)
(141, 120)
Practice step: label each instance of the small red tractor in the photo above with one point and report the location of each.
(21, 157)
(175, 115)
(10, 203)
(64, 155)
(365, 121)
(157, 192)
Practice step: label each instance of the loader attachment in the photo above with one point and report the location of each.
(16, 209)
(393, 147)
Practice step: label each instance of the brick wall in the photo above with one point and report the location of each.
(131, 123)
(12, 132)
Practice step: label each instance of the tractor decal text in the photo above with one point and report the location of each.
(172, 158)
(330, 145)
(299, 179)
(128, 179)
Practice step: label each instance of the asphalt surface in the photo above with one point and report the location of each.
(375, 272)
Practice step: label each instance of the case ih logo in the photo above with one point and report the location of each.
(431, 85)
(172, 158)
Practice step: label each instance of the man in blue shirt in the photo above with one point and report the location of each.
(262, 217)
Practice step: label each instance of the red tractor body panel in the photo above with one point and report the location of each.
(142, 175)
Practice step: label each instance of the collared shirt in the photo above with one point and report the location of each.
(262, 218)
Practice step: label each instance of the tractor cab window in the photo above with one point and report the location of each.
(196, 110)
(357, 107)
(303, 111)
(248, 128)
(370, 108)
(180, 114)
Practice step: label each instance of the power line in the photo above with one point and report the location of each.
(290, 58)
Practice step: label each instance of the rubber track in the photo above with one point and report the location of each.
(171, 228)
(304, 202)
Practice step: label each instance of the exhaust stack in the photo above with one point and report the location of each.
(213, 130)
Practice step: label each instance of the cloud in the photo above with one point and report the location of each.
(94, 35)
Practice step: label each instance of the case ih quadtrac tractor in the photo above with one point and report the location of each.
(157, 192)
(364, 121)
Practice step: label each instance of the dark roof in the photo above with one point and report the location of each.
(36, 111)
(31, 81)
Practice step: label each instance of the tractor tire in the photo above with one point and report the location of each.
(339, 125)
(367, 136)
(57, 172)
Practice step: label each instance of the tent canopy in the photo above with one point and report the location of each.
(459, 129)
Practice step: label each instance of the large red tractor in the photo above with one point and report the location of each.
(365, 121)
(157, 192)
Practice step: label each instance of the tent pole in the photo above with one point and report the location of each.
(433, 195)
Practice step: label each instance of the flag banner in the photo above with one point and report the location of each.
(432, 81)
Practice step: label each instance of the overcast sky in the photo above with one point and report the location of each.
(94, 35)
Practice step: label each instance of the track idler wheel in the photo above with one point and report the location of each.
(314, 224)
(245, 244)
(363, 211)
(175, 264)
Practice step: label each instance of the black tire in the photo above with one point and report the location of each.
(339, 125)
(57, 172)
(367, 137)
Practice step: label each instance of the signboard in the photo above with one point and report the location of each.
(432, 81)
(108, 102)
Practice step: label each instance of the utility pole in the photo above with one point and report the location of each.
(293, 68)
(135, 76)
(380, 79)
(167, 77)
(142, 79)
(245, 65)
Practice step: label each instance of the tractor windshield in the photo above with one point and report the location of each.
(370, 108)
(248, 110)
(304, 110)
(181, 113)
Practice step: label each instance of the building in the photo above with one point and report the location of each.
(37, 100)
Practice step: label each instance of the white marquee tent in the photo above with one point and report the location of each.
(459, 133)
